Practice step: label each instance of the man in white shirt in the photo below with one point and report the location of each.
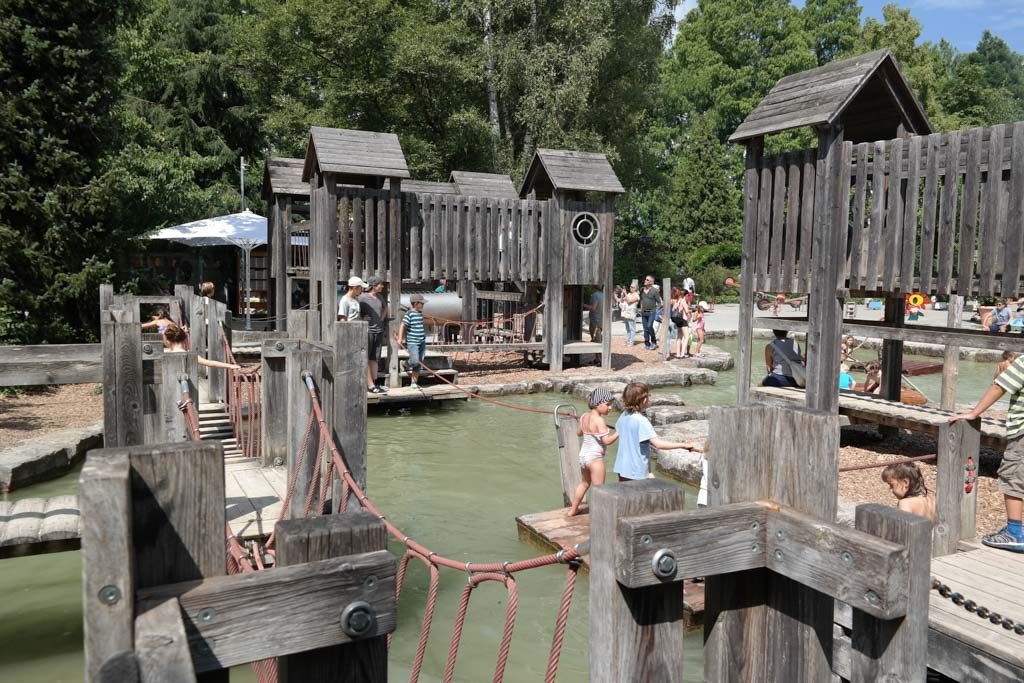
(348, 305)
(689, 286)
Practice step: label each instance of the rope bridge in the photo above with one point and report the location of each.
(242, 559)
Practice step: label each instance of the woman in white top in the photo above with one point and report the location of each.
(597, 437)
(627, 307)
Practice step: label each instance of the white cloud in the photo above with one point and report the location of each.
(683, 8)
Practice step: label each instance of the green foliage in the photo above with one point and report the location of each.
(833, 26)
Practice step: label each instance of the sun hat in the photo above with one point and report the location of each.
(703, 304)
(416, 298)
(375, 280)
(356, 281)
(598, 396)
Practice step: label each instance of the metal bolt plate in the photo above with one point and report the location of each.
(109, 595)
(358, 620)
(663, 564)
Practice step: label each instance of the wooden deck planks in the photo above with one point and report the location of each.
(263, 502)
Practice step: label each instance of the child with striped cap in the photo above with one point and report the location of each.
(597, 437)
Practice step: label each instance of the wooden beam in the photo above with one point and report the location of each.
(955, 510)
(348, 415)
(306, 358)
(274, 397)
(289, 610)
(161, 646)
(122, 383)
(635, 634)
(50, 364)
(896, 648)
(319, 538)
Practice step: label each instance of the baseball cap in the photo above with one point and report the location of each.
(416, 298)
(375, 280)
(356, 281)
(598, 396)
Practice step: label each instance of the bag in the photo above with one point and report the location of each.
(799, 373)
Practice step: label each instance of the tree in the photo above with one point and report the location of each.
(833, 27)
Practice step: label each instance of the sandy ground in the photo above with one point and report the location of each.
(24, 416)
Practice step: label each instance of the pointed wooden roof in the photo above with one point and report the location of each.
(868, 94)
(283, 176)
(354, 154)
(557, 169)
(484, 184)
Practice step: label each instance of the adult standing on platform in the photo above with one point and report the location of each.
(373, 309)
(650, 303)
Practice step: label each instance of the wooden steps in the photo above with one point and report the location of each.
(552, 530)
(33, 526)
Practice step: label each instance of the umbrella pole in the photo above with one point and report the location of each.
(248, 289)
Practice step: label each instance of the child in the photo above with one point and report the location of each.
(845, 378)
(206, 289)
(597, 437)
(907, 484)
(698, 327)
(415, 339)
(174, 340)
(1008, 357)
(1011, 470)
(636, 435)
(160, 320)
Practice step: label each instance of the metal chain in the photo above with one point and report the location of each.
(973, 607)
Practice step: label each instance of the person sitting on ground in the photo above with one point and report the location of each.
(160, 320)
(680, 317)
(412, 336)
(907, 483)
(636, 435)
(1007, 358)
(174, 341)
(597, 436)
(697, 318)
(372, 310)
(999, 319)
(781, 356)
(1011, 470)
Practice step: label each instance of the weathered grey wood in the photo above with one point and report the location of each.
(394, 276)
(1014, 216)
(568, 457)
(789, 279)
(348, 421)
(807, 218)
(895, 648)
(517, 270)
(293, 609)
(751, 204)
(607, 222)
(948, 228)
(857, 243)
(892, 245)
(274, 401)
(776, 264)
(636, 634)
(990, 228)
(198, 333)
(161, 646)
(383, 226)
(954, 509)
(415, 218)
(176, 366)
(358, 222)
(878, 192)
(369, 265)
(969, 213)
(910, 204)
(123, 403)
(967, 664)
(302, 359)
(321, 538)
(866, 572)
(50, 364)
(666, 317)
(119, 668)
(764, 216)
(951, 356)
(892, 350)
(216, 315)
(931, 181)
(554, 294)
(298, 324)
(108, 576)
(706, 541)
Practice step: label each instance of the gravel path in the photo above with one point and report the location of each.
(27, 415)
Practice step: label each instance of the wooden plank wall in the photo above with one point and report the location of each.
(927, 213)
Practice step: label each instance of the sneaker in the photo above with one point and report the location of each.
(413, 385)
(374, 390)
(383, 388)
(1004, 540)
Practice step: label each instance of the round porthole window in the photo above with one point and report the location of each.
(585, 228)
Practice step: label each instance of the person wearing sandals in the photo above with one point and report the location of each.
(1011, 470)
(680, 317)
(698, 327)
(597, 436)
(411, 334)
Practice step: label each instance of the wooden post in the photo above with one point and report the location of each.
(554, 294)
(762, 624)
(569, 457)
(274, 400)
(635, 634)
(951, 358)
(954, 508)
(327, 224)
(161, 646)
(152, 388)
(321, 538)
(178, 516)
(607, 245)
(187, 296)
(303, 358)
(755, 148)
(892, 350)
(298, 325)
(895, 649)
(666, 317)
(199, 331)
(106, 299)
(108, 582)
(348, 418)
(280, 255)
(174, 367)
(394, 282)
(123, 423)
(216, 312)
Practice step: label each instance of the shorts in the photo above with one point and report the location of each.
(416, 353)
(680, 322)
(1011, 470)
(374, 340)
(587, 458)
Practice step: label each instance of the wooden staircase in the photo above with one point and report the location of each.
(215, 425)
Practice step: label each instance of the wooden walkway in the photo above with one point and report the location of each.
(434, 393)
(33, 526)
(861, 407)
(253, 496)
(553, 530)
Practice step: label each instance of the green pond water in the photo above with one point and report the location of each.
(454, 478)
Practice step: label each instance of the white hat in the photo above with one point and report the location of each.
(356, 281)
(703, 304)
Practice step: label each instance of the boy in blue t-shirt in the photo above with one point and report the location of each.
(414, 336)
(636, 435)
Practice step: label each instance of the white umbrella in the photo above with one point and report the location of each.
(245, 230)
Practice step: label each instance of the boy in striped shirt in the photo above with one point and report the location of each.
(411, 330)
(1011, 470)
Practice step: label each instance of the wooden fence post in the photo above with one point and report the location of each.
(274, 402)
(635, 634)
(161, 646)
(895, 649)
(395, 256)
(123, 402)
(348, 417)
(108, 585)
(554, 292)
(303, 358)
(174, 367)
(185, 294)
(666, 317)
(320, 538)
(755, 146)
(199, 329)
(568, 456)
(298, 325)
(954, 508)
(217, 316)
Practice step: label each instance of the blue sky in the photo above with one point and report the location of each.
(961, 22)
